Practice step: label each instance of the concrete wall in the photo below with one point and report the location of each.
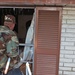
(67, 53)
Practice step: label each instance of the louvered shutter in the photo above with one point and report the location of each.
(47, 41)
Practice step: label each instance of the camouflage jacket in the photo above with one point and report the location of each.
(8, 46)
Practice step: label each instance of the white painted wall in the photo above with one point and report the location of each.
(67, 52)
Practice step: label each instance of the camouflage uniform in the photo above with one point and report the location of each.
(8, 47)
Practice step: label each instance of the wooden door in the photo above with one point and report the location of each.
(47, 41)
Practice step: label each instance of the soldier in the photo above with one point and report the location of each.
(8, 43)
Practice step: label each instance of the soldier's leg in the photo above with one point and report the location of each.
(16, 71)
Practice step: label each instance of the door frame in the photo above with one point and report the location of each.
(36, 27)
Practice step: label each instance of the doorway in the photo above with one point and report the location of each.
(23, 21)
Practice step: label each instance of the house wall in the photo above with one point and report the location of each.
(67, 52)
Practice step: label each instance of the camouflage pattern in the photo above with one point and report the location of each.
(8, 46)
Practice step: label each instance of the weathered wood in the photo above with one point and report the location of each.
(36, 2)
(68, 1)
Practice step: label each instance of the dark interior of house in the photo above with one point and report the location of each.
(17, 12)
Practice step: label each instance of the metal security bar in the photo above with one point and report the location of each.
(21, 44)
(28, 71)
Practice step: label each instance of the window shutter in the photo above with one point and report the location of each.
(47, 41)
